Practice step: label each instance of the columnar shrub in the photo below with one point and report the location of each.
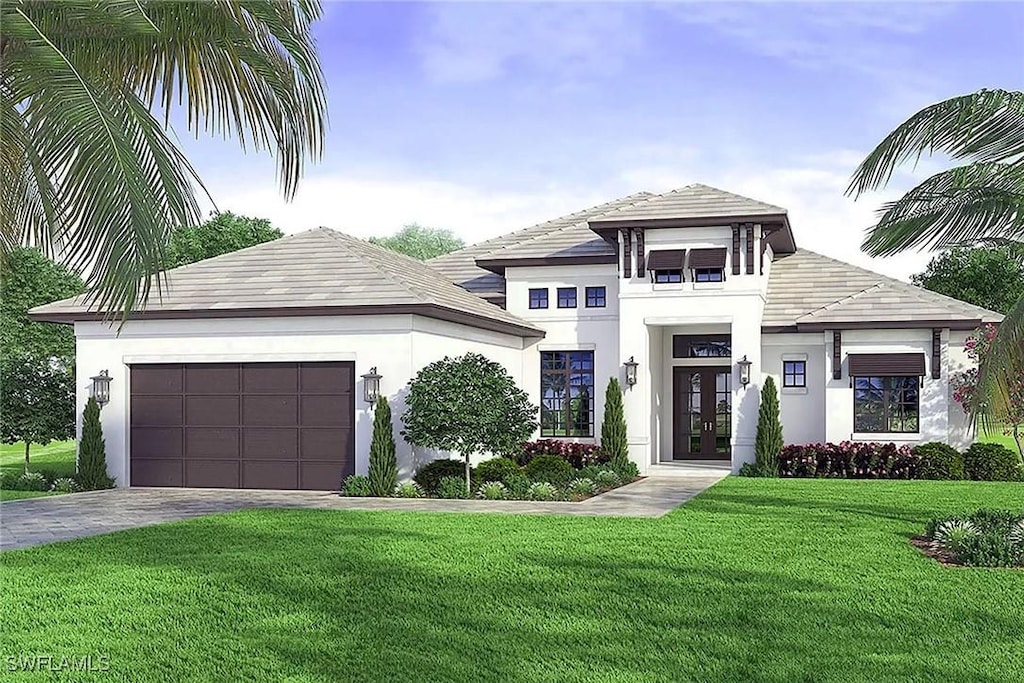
(768, 443)
(92, 451)
(549, 468)
(939, 461)
(614, 443)
(578, 455)
(992, 462)
(383, 469)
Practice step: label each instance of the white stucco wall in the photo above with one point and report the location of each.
(398, 345)
(801, 411)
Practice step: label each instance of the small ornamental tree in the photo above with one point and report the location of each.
(37, 399)
(1006, 407)
(613, 426)
(383, 472)
(467, 405)
(768, 444)
(92, 451)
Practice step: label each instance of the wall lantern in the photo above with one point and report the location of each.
(631, 366)
(101, 388)
(744, 370)
(371, 386)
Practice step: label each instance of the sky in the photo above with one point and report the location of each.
(488, 117)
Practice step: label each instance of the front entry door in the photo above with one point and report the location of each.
(701, 413)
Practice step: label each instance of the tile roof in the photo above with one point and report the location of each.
(318, 269)
(808, 290)
(692, 201)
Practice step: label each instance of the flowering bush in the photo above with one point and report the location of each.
(849, 460)
(579, 455)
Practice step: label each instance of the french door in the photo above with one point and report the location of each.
(701, 413)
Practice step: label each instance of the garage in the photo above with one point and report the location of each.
(242, 425)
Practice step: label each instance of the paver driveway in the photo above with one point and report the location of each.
(35, 521)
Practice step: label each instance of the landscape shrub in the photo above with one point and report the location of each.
(383, 467)
(32, 481)
(581, 488)
(768, 442)
(578, 455)
(357, 486)
(8, 479)
(937, 460)
(518, 486)
(408, 489)
(626, 469)
(849, 460)
(92, 451)
(614, 443)
(542, 490)
(65, 485)
(992, 462)
(497, 469)
(452, 487)
(492, 490)
(986, 538)
(550, 468)
(751, 469)
(430, 475)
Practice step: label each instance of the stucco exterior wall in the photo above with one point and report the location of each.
(801, 410)
(397, 345)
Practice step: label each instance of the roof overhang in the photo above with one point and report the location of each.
(426, 310)
(876, 325)
(498, 265)
(780, 235)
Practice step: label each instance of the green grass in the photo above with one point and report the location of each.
(56, 456)
(1000, 438)
(771, 580)
(18, 495)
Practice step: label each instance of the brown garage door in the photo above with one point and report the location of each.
(243, 425)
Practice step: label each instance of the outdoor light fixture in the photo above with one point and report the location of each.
(371, 386)
(630, 371)
(744, 370)
(101, 387)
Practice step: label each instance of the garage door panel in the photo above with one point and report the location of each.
(314, 476)
(158, 379)
(211, 442)
(156, 442)
(326, 444)
(270, 444)
(275, 411)
(212, 378)
(157, 472)
(220, 474)
(270, 475)
(270, 378)
(325, 411)
(212, 410)
(326, 378)
(252, 425)
(157, 411)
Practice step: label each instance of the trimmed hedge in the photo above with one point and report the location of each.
(992, 462)
(497, 469)
(578, 455)
(430, 475)
(549, 468)
(849, 460)
(939, 461)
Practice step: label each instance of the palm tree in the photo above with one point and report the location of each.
(978, 202)
(89, 169)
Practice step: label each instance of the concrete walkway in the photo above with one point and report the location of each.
(36, 521)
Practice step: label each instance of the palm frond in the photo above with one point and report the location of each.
(984, 126)
(1001, 370)
(964, 205)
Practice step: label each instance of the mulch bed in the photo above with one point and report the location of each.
(943, 557)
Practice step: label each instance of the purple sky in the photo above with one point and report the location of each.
(484, 118)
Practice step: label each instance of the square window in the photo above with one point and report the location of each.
(567, 297)
(539, 298)
(663, 276)
(708, 275)
(794, 373)
(595, 297)
(886, 404)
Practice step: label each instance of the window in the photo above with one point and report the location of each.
(595, 297)
(794, 373)
(539, 298)
(886, 404)
(701, 346)
(661, 276)
(707, 275)
(567, 393)
(567, 297)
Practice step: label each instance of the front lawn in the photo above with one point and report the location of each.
(756, 579)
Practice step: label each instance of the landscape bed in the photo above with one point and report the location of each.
(754, 579)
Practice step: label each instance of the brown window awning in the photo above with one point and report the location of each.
(707, 258)
(666, 259)
(886, 364)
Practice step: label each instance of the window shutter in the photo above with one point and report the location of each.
(887, 365)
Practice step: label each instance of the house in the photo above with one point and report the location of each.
(249, 370)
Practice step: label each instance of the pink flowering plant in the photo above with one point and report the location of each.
(1009, 409)
(579, 455)
(849, 460)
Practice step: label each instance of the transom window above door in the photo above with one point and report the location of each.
(701, 346)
